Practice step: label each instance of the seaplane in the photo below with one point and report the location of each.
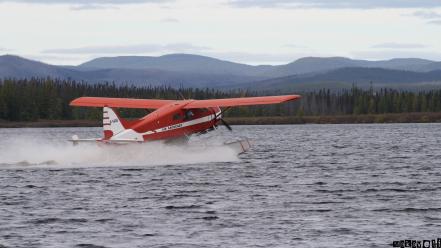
(169, 120)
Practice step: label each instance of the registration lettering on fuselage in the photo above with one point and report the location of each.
(172, 127)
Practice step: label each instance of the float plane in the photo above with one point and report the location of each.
(169, 119)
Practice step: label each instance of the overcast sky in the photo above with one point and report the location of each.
(248, 31)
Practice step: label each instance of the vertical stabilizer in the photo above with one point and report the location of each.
(112, 123)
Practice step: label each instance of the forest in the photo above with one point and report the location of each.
(48, 99)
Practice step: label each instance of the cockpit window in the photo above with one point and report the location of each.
(189, 115)
(176, 117)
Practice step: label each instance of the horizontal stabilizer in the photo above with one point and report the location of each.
(119, 102)
(75, 140)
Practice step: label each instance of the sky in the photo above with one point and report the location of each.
(255, 32)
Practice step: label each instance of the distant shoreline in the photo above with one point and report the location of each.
(429, 117)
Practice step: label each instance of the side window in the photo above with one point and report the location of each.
(176, 117)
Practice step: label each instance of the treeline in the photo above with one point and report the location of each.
(48, 99)
(356, 101)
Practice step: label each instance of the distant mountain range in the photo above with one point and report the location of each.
(348, 76)
(199, 71)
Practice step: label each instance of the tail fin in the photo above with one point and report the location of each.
(112, 123)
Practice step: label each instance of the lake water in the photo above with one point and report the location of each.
(299, 186)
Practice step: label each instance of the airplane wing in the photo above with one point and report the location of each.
(244, 101)
(155, 104)
(119, 102)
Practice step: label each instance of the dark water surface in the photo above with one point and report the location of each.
(300, 186)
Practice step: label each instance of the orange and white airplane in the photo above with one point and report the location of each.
(171, 119)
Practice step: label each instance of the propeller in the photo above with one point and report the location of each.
(223, 121)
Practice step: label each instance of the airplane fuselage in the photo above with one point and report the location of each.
(168, 122)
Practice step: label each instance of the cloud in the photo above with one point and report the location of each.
(89, 5)
(86, 2)
(337, 4)
(435, 22)
(2, 49)
(393, 45)
(130, 49)
(170, 20)
(93, 7)
(389, 54)
(423, 14)
(294, 46)
(432, 17)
